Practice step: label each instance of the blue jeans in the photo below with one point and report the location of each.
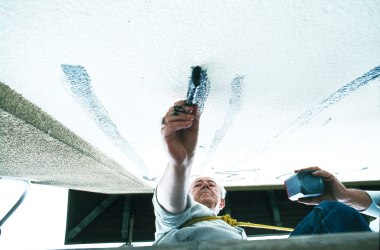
(331, 217)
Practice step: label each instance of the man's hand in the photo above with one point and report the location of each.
(179, 132)
(334, 190)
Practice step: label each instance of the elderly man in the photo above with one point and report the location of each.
(177, 202)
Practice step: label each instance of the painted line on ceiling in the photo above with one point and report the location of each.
(82, 91)
(306, 116)
(235, 103)
(238, 175)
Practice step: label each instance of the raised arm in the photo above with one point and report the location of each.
(179, 133)
(336, 191)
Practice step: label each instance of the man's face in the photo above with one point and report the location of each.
(205, 191)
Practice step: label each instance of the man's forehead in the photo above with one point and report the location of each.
(204, 178)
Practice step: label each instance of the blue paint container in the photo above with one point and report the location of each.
(304, 184)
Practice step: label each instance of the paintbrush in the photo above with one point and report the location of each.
(197, 90)
(195, 82)
(192, 92)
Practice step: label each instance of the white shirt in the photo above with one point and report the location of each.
(168, 231)
(374, 210)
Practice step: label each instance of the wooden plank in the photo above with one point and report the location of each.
(91, 216)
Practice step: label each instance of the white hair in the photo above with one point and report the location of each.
(221, 189)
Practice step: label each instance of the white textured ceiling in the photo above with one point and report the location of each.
(292, 59)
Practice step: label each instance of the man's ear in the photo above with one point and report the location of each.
(222, 204)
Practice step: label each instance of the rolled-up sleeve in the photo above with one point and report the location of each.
(374, 209)
(166, 221)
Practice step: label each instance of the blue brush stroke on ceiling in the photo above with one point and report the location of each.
(306, 116)
(238, 175)
(80, 85)
(235, 103)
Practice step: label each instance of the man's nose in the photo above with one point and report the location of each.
(205, 185)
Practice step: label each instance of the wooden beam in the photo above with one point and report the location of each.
(91, 216)
(126, 217)
(131, 224)
(274, 208)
